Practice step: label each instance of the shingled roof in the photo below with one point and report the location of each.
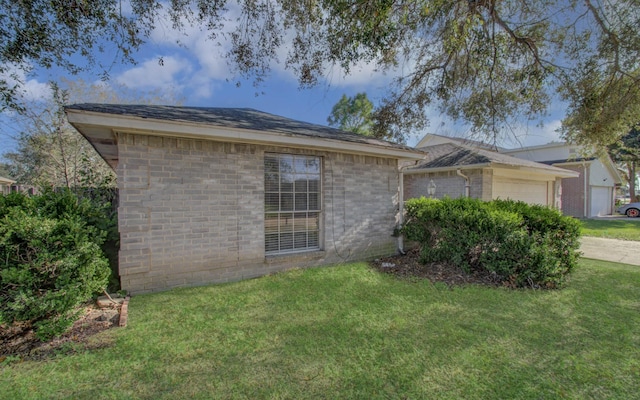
(99, 122)
(6, 181)
(449, 156)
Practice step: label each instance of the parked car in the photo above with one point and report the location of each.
(630, 210)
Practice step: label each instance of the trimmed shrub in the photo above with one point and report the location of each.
(50, 260)
(521, 244)
(93, 205)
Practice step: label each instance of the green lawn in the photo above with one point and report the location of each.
(348, 332)
(626, 229)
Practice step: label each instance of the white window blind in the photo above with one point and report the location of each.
(292, 203)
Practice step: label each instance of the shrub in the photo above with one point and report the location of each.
(521, 244)
(93, 205)
(50, 260)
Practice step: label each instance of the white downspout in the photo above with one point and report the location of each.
(400, 208)
(466, 183)
(586, 195)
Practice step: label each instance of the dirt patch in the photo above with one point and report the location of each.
(408, 266)
(19, 340)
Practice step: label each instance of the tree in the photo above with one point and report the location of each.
(626, 152)
(488, 62)
(4, 171)
(353, 114)
(601, 107)
(51, 152)
(48, 33)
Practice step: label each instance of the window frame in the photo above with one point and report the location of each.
(291, 189)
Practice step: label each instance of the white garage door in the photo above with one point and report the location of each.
(531, 192)
(600, 201)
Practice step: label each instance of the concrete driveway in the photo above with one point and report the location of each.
(621, 251)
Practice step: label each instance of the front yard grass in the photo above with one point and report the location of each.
(353, 333)
(625, 229)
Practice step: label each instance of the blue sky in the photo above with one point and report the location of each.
(199, 73)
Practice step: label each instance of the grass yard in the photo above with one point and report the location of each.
(350, 332)
(625, 229)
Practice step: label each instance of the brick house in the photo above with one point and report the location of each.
(455, 168)
(214, 195)
(591, 192)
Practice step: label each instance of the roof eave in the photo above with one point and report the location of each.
(535, 147)
(610, 165)
(417, 170)
(559, 173)
(106, 125)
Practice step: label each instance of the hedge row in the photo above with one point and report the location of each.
(523, 245)
(50, 258)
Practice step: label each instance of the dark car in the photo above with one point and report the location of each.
(630, 210)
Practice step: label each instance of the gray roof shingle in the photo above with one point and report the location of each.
(239, 118)
(455, 155)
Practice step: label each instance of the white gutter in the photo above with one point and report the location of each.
(467, 186)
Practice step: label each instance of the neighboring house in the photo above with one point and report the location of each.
(5, 185)
(431, 139)
(455, 169)
(592, 192)
(218, 194)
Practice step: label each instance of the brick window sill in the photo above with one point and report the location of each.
(295, 257)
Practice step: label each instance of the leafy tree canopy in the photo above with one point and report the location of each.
(353, 114)
(628, 147)
(626, 153)
(50, 152)
(482, 61)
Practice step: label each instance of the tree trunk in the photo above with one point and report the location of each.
(631, 167)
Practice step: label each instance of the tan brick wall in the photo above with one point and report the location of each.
(573, 192)
(191, 211)
(448, 183)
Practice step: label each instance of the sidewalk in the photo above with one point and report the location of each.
(621, 251)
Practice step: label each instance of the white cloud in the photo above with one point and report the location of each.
(212, 61)
(360, 75)
(28, 89)
(153, 74)
(35, 90)
(209, 53)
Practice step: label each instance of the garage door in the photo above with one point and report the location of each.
(532, 192)
(600, 201)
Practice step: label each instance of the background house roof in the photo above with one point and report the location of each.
(569, 160)
(562, 153)
(432, 139)
(456, 155)
(6, 181)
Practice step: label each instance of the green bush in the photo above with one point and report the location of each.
(521, 244)
(93, 205)
(50, 259)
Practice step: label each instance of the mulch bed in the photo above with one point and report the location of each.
(408, 266)
(18, 340)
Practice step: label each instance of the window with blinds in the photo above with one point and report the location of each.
(291, 203)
